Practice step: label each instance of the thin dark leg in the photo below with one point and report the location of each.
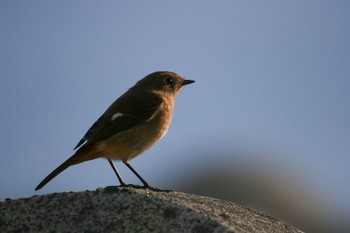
(145, 184)
(116, 172)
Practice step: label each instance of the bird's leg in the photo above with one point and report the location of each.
(145, 184)
(122, 184)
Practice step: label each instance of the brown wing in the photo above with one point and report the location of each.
(135, 109)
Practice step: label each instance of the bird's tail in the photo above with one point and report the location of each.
(83, 154)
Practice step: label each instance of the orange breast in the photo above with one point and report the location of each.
(134, 141)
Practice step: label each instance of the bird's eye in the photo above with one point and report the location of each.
(169, 81)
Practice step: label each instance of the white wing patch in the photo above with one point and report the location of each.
(115, 116)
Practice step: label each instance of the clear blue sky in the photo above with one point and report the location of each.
(271, 76)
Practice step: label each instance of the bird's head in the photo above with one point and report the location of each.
(162, 81)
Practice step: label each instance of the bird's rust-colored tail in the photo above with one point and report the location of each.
(83, 154)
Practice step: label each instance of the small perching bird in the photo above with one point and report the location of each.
(131, 125)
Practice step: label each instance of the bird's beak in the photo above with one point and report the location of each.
(186, 81)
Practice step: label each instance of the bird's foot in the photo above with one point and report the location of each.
(157, 189)
(145, 187)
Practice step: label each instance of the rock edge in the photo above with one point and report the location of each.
(116, 209)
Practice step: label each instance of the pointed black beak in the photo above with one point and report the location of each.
(186, 81)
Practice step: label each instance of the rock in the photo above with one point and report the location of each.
(116, 209)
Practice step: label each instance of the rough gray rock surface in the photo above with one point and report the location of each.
(115, 209)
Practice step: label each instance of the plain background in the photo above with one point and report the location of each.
(271, 97)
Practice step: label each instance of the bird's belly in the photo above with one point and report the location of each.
(132, 142)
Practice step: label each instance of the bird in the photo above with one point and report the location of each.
(130, 126)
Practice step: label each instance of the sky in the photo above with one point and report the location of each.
(271, 77)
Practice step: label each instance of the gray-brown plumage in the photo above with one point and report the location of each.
(131, 125)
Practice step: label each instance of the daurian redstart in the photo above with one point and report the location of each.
(131, 125)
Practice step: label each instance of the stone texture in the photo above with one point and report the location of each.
(115, 209)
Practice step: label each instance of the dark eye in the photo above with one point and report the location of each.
(169, 81)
